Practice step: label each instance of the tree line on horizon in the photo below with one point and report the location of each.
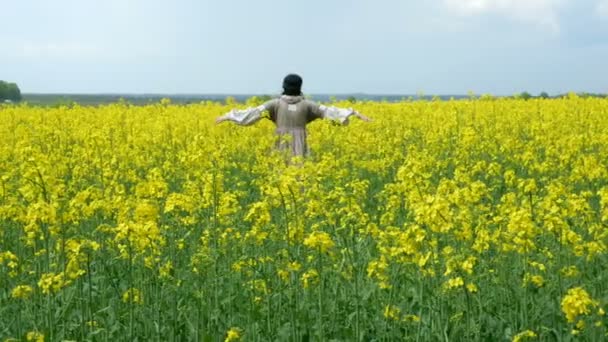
(10, 92)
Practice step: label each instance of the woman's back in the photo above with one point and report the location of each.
(290, 111)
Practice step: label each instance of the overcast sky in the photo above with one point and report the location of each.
(341, 46)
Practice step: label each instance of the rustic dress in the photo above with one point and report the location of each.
(290, 114)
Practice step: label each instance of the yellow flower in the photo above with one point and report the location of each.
(472, 287)
(294, 266)
(537, 280)
(146, 212)
(233, 334)
(524, 335)
(52, 283)
(310, 278)
(453, 283)
(284, 275)
(138, 237)
(319, 240)
(22, 291)
(538, 265)
(570, 271)
(92, 324)
(577, 302)
(468, 264)
(378, 269)
(165, 270)
(34, 336)
(392, 312)
(11, 261)
(73, 269)
(259, 286)
(132, 295)
(411, 318)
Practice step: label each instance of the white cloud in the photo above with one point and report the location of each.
(602, 8)
(539, 12)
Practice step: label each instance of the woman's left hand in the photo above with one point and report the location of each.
(362, 117)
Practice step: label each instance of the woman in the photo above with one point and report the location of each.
(291, 113)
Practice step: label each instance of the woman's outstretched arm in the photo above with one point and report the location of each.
(341, 115)
(246, 117)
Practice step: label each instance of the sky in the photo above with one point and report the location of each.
(432, 47)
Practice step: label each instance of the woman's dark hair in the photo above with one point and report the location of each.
(292, 85)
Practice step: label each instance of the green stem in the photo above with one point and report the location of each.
(321, 285)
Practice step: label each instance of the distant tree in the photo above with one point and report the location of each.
(543, 95)
(3, 91)
(525, 95)
(9, 91)
(596, 95)
(351, 99)
(14, 93)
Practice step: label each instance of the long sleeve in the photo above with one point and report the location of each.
(249, 116)
(245, 117)
(332, 113)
